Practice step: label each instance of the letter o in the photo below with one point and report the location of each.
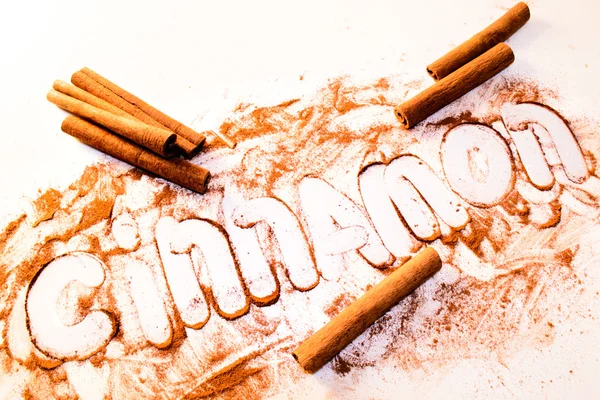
(478, 164)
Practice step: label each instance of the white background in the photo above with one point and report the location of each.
(193, 58)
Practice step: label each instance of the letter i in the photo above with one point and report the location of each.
(150, 307)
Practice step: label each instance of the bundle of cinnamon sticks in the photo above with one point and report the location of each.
(116, 122)
(465, 67)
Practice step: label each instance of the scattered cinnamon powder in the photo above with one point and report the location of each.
(87, 180)
(45, 206)
(95, 211)
(337, 305)
(340, 365)
(529, 291)
(10, 230)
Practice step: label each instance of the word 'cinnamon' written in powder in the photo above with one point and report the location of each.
(493, 292)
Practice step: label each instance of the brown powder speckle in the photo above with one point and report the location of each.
(94, 212)
(10, 230)
(338, 304)
(340, 366)
(87, 180)
(45, 206)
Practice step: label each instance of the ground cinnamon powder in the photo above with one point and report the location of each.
(340, 130)
(45, 206)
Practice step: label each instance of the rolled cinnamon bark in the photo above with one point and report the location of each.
(155, 114)
(455, 85)
(328, 341)
(500, 30)
(176, 170)
(83, 81)
(80, 94)
(158, 140)
(104, 88)
(182, 145)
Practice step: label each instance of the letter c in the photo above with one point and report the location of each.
(50, 335)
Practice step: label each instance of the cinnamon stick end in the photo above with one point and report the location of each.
(58, 84)
(204, 179)
(524, 8)
(198, 147)
(186, 148)
(402, 117)
(505, 54)
(67, 123)
(304, 362)
(432, 73)
(519, 15)
(52, 96)
(170, 148)
(75, 77)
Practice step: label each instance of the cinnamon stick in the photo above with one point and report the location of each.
(155, 114)
(158, 140)
(499, 31)
(455, 85)
(321, 347)
(102, 87)
(176, 170)
(182, 145)
(80, 94)
(82, 81)
(187, 148)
